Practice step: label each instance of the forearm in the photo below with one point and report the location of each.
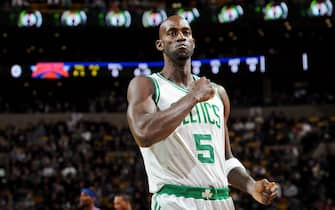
(240, 179)
(154, 127)
(237, 174)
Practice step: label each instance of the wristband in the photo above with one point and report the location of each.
(231, 164)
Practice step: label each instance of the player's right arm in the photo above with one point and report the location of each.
(150, 125)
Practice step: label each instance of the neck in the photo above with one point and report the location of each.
(178, 72)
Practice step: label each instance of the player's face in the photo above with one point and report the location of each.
(177, 40)
(120, 203)
(85, 200)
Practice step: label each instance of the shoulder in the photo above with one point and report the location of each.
(141, 83)
(140, 87)
(141, 80)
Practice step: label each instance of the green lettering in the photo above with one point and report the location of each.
(191, 117)
(203, 112)
(185, 121)
(216, 110)
(207, 105)
(197, 110)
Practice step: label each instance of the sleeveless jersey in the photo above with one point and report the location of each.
(193, 154)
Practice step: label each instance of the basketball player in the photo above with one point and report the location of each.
(179, 121)
(87, 199)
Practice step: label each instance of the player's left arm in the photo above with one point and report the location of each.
(262, 190)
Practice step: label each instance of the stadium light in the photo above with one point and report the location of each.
(275, 11)
(73, 18)
(152, 18)
(320, 8)
(120, 18)
(30, 19)
(230, 13)
(190, 15)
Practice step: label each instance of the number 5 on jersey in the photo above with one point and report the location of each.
(205, 149)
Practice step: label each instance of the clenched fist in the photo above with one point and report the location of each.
(202, 89)
(264, 191)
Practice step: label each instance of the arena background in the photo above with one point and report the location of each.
(64, 71)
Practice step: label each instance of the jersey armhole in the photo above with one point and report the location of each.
(217, 92)
(156, 94)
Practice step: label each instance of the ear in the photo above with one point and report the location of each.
(159, 45)
(193, 43)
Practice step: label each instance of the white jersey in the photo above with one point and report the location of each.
(194, 154)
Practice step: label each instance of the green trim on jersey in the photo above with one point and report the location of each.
(217, 91)
(157, 90)
(173, 84)
(219, 96)
(156, 204)
(195, 77)
(205, 193)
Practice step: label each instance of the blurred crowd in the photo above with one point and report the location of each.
(297, 153)
(100, 96)
(44, 166)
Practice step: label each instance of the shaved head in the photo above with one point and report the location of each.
(175, 39)
(170, 21)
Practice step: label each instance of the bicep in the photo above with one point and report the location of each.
(140, 100)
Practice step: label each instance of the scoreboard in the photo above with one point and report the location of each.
(63, 70)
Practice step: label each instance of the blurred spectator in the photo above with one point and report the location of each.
(122, 202)
(88, 199)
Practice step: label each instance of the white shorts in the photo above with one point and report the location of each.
(161, 201)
